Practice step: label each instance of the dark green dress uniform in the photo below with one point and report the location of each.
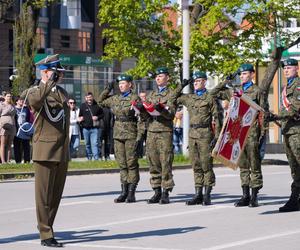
(159, 145)
(250, 161)
(202, 110)
(128, 130)
(50, 145)
(291, 132)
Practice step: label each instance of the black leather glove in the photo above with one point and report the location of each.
(186, 82)
(109, 86)
(159, 107)
(54, 77)
(231, 76)
(213, 143)
(270, 117)
(138, 143)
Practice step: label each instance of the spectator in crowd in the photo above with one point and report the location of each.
(74, 131)
(7, 127)
(90, 115)
(106, 135)
(21, 145)
(177, 131)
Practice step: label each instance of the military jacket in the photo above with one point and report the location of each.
(127, 124)
(254, 93)
(291, 125)
(163, 122)
(202, 109)
(50, 140)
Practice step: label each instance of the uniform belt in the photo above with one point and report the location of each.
(199, 125)
(126, 119)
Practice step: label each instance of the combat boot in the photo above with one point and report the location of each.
(131, 193)
(245, 199)
(293, 203)
(253, 199)
(156, 197)
(207, 200)
(198, 197)
(165, 197)
(124, 193)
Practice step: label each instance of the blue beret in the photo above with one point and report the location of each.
(199, 74)
(162, 70)
(289, 62)
(246, 67)
(124, 77)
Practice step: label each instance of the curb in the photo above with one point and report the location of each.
(22, 175)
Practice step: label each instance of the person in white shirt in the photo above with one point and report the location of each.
(74, 131)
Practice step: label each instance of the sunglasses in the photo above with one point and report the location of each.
(71, 102)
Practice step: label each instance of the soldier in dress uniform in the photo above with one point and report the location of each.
(250, 161)
(290, 125)
(128, 131)
(159, 145)
(203, 110)
(50, 144)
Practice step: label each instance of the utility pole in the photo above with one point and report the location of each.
(185, 68)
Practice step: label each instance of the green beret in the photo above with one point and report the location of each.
(124, 77)
(199, 74)
(289, 62)
(162, 70)
(246, 67)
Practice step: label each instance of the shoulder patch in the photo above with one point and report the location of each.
(298, 88)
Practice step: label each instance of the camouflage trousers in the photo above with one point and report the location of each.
(292, 149)
(126, 157)
(159, 148)
(202, 162)
(250, 165)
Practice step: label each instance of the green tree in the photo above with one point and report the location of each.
(25, 42)
(223, 33)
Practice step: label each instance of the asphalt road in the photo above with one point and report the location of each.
(88, 218)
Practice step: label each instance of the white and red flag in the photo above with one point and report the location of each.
(232, 140)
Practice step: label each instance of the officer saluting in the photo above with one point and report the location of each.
(50, 144)
(203, 110)
(290, 126)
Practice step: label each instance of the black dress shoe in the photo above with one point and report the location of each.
(51, 242)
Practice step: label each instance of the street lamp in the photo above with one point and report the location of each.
(185, 68)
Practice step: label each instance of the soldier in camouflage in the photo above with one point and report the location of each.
(290, 125)
(128, 130)
(250, 161)
(159, 146)
(202, 110)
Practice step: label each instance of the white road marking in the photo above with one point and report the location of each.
(62, 205)
(245, 242)
(105, 246)
(217, 207)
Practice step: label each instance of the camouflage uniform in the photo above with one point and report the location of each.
(159, 144)
(127, 131)
(202, 109)
(291, 130)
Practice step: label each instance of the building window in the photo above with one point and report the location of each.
(288, 24)
(65, 41)
(84, 41)
(41, 37)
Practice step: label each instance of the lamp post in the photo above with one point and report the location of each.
(185, 67)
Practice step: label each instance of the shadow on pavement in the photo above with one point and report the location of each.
(89, 236)
(99, 194)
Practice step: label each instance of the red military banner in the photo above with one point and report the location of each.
(232, 140)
